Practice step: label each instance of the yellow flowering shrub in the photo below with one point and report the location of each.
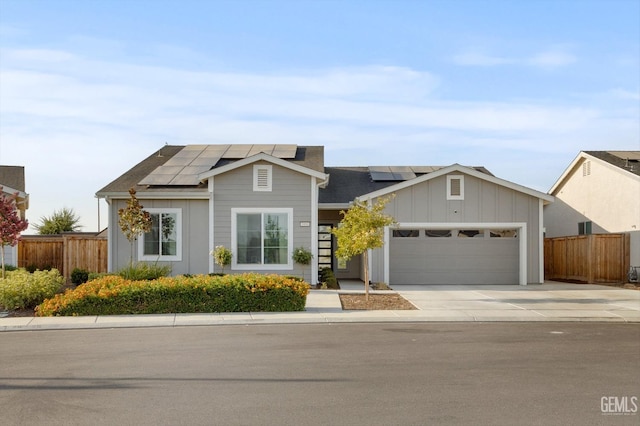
(114, 295)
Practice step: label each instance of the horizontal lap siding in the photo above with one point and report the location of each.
(484, 202)
(195, 240)
(290, 189)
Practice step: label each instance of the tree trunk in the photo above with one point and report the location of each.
(365, 258)
(3, 261)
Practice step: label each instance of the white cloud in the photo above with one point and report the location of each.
(552, 59)
(77, 123)
(480, 59)
(631, 95)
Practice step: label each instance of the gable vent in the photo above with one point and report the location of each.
(586, 168)
(455, 187)
(262, 178)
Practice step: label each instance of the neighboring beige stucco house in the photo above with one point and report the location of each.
(598, 193)
(12, 182)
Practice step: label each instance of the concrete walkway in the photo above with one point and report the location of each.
(546, 302)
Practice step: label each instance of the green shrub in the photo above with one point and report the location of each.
(328, 278)
(8, 268)
(79, 276)
(33, 267)
(144, 271)
(302, 256)
(114, 295)
(95, 275)
(22, 290)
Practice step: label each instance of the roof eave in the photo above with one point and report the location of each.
(462, 169)
(261, 157)
(173, 195)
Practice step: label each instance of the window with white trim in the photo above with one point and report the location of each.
(164, 241)
(455, 187)
(262, 177)
(262, 238)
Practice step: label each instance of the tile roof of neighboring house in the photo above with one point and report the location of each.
(13, 177)
(626, 160)
(311, 157)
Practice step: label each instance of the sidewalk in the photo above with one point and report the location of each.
(551, 302)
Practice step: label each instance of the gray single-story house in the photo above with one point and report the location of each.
(455, 224)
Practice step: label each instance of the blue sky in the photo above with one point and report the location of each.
(90, 88)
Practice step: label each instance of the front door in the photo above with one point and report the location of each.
(325, 247)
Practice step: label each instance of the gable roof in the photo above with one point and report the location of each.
(626, 162)
(461, 169)
(348, 183)
(262, 157)
(310, 157)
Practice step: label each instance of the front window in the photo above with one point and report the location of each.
(163, 241)
(262, 238)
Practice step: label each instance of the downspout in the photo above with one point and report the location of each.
(211, 226)
(109, 236)
(541, 241)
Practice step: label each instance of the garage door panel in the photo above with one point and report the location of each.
(454, 260)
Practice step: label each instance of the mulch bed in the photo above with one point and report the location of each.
(377, 302)
(17, 313)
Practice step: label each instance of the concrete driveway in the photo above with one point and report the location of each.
(450, 303)
(549, 301)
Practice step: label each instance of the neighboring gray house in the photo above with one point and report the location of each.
(456, 224)
(12, 182)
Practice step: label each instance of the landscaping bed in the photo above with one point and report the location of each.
(114, 295)
(376, 302)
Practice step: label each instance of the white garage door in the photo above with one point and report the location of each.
(474, 256)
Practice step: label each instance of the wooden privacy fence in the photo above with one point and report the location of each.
(64, 252)
(596, 258)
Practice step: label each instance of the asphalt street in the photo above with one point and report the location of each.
(324, 374)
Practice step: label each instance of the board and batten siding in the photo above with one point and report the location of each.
(290, 189)
(195, 231)
(484, 202)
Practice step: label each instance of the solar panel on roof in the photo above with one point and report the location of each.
(237, 151)
(257, 149)
(402, 173)
(380, 173)
(285, 151)
(192, 160)
(630, 155)
(425, 169)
